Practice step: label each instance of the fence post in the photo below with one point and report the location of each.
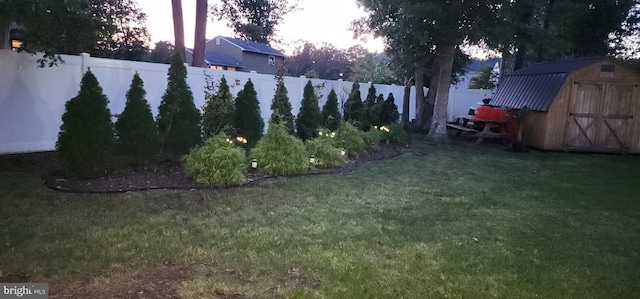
(84, 57)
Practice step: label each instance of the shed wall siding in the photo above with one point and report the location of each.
(534, 133)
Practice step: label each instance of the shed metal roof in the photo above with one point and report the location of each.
(536, 86)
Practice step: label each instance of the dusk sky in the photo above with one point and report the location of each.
(317, 21)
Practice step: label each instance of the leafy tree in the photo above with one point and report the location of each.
(124, 30)
(486, 79)
(448, 24)
(178, 118)
(309, 118)
(253, 20)
(353, 107)
(324, 61)
(49, 27)
(281, 106)
(389, 113)
(104, 28)
(219, 110)
(330, 112)
(136, 130)
(86, 134)
(162, 52)
(249, 122)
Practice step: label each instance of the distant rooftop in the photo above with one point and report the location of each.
(253, 47)
(476, 65)
(219, 59)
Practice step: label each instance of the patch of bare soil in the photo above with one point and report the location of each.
(161, 284)
(170, 175)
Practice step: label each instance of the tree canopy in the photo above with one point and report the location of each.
(104, 28)
(254, 20)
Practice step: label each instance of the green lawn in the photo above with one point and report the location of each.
(452, 221)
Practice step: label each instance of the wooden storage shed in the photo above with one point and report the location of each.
(590, 104)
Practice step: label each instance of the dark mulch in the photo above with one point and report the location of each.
(170, 175)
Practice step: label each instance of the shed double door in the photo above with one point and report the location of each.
(600, 115)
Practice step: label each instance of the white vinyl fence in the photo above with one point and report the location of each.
(32, 100)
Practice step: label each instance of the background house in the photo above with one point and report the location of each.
(474, 69)
(226, 53)
(590, 104)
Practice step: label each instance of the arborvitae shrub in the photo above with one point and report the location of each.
(217, 162)
(136, 130)
(280, 153)
(368, 114)
(219, 110)
(281, 106)
(350, 138)
(86, 134)
(309, 119)
(331, 113)
(389, 112)
(326, 154)
(353, 107)
(249, 123)
(178, 118)
(396, 134)
(376, 111)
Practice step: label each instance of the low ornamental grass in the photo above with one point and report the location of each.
(217, 163)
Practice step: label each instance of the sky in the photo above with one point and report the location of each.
(317, 21)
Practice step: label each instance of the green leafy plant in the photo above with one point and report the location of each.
(281, 106)
(219, 110)
(395, 134)
(330, 112)
(218, 162)
(280, 153)
(324, 151)
(86, 134)
(310, 118)
(373, 136)
(249, 122)
(136, 130)
(178, 118)
(350, 138)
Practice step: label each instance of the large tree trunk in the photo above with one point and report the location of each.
(406, 99)
(178, 28)
(200, 39)
(419, 83)
(430, 99)
(545, 28)
(5, 31)
(444, 60)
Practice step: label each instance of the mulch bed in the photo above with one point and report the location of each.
(170, 175)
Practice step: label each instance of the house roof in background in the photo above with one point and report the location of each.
(475, 65)
(536, 86)
(220, 59)
(253, 47)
